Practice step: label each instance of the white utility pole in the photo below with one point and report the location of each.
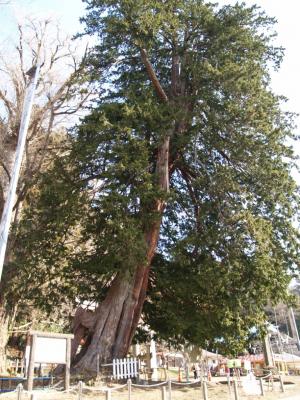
(294, 329)
(10, 200)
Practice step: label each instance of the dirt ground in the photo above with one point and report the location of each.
(216, 391)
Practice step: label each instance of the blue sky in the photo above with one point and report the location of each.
(285, 82)
(67, 11)
(287, 13)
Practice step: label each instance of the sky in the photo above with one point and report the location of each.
(67, 12)
(285, 82)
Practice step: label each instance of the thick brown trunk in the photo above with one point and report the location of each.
(107, 320)
(114, 322)
(116, 319)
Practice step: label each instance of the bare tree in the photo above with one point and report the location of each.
(62, 94)
(59, 96)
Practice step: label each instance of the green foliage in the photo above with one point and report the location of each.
(227, 244)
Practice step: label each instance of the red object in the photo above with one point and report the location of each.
(179, 375)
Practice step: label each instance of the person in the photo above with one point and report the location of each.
(197, 371)
(194, 371)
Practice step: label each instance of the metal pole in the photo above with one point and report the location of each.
(9, 203)
(294, 329)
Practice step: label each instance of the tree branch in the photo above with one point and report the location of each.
(5, 169)
(152, 75)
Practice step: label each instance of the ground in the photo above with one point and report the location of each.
(216, 391)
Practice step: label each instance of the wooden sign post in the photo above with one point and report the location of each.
(49, 348)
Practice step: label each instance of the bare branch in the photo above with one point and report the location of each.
(152, 75)
(59, 94)
(5, 169)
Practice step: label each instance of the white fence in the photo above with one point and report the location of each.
(126, 368)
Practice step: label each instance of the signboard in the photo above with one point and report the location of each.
(236, 363)
(50, 350)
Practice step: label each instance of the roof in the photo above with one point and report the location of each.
(208, 354)
(286, 357)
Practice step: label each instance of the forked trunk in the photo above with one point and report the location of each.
(116, 319)
(112, 326)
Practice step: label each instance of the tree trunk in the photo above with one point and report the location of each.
(6, 166)
(4, 322)
(115, 320)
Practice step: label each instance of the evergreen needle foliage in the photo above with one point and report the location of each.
(198, 75)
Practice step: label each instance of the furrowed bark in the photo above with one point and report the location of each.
(117, 316)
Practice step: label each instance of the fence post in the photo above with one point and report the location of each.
(281, 383)
(205, 392)
(108, 394)
(97, 365)
(80, 384)
(129, 389)
(262, 391)
(163, 393)
(236, 393)
(228, 383)
(170, 389)
(19, 391)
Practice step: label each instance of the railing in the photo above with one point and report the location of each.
(167, 390)
(9, 384)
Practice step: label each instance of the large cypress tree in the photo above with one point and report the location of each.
(185, 156)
